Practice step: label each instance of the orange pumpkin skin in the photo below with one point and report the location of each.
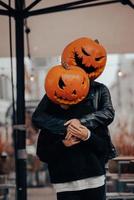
(87, 54)
(66, 86)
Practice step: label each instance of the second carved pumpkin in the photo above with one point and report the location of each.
(87, 54)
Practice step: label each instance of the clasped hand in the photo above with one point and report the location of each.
(75, 132)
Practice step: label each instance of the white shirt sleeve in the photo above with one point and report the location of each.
(88, 136)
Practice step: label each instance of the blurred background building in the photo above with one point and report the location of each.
(122, 92)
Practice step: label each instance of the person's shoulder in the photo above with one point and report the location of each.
(99, 85)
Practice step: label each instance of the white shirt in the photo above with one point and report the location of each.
(88, 183)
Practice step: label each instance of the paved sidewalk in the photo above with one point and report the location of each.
(46, 193)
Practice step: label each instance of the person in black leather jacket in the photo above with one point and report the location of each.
(76, 164)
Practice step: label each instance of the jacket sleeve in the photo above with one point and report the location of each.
(98, 141)
(49, 148)
(105, 113)
(43, 120)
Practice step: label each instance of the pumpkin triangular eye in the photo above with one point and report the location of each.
(99, 58)
(61, 83)
(84, 52)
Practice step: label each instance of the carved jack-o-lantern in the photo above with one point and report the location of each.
(87, 54)
(66, 86)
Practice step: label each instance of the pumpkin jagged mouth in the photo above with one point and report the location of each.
(79, 63)
(60, 99)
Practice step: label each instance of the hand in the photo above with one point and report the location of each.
(80, 132)
(72, 121)
(70, 142)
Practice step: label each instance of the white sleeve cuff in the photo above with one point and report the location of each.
(88, 136)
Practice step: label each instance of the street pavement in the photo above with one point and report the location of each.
(44, 193)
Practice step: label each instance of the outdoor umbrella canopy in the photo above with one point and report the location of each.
(111, 24)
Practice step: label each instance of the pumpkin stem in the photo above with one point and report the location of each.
(97, 41)
(65, 65)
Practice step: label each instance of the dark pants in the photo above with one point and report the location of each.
(88, 194)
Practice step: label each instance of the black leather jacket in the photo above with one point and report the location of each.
(94, 111)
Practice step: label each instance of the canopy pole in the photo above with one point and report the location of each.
(20, 134)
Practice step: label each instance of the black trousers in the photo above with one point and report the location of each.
(88, 194)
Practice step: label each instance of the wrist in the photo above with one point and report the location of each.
(88, 135)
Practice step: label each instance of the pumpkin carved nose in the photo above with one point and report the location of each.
(74, 92)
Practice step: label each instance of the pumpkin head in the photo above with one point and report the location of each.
(66, 86)
(87, 54)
